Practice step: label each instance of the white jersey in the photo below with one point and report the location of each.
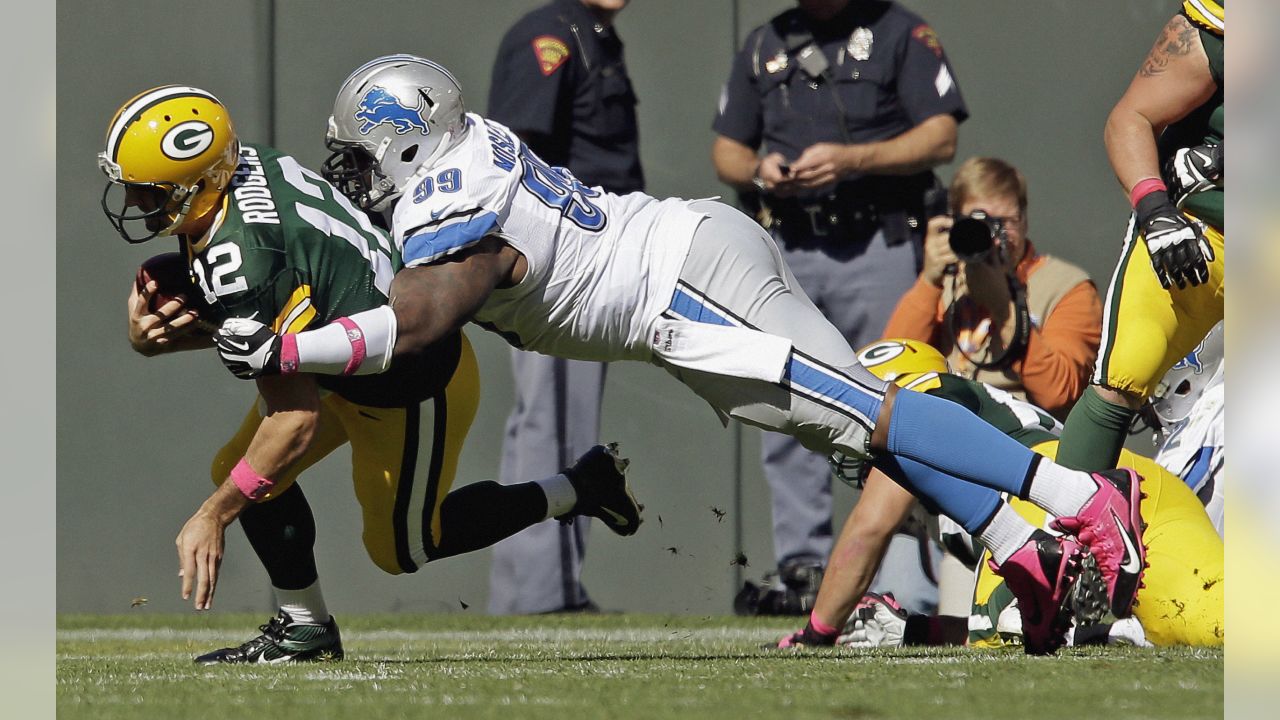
(1195, 450)
(601, 267)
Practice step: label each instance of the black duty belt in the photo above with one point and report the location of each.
(822, 218)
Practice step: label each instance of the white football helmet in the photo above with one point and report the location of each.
(393, 115)
(1187, 380)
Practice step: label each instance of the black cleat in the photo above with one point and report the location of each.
(283, 641)
(600, 481)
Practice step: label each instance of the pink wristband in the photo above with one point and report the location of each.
(1145, 188)
(356, 337)
(288, 354)
(253, 485)
(819, 626)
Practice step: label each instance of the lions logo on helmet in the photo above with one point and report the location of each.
(170, 152)
(372, 132)
(1188, 379)
(908, 363)
(379, 106)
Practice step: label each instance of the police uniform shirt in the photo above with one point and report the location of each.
(560, 82)
(889, 68)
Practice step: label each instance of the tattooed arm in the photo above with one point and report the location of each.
(1173, 80)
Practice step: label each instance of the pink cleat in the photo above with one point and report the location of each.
(1110, 526)
(1040, 575)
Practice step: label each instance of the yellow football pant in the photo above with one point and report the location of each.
(1182, 603)
(403, 462)
(1146, 328)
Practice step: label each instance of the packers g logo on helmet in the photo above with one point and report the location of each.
(902, 361)
(187, 140)
(170, 153)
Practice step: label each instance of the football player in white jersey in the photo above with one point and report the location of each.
(1190, 406)
(493, 235)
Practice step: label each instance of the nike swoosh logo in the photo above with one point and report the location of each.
(237, 345)
(1131, 562)
(262, 660)
(621, 521)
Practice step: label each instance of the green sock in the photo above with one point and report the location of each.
(1094, 433)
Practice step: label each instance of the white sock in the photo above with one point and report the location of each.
(305, 606)
(561, 496)
(1006, 532)
(1060, 491)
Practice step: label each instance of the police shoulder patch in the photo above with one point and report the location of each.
(551, 51)
(927, 37)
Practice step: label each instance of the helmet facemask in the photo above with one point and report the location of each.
(159, 206)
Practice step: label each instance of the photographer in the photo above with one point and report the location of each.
(1003, 314)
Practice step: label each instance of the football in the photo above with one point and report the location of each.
(173, 278)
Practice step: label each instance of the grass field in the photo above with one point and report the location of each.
(604, 666)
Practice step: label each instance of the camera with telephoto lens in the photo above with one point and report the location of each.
(974, 236)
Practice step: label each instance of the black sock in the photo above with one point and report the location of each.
(478, 515)
(282, 532)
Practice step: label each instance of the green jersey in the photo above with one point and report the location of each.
(290, 251)
(1203, 125)
(1018, 419)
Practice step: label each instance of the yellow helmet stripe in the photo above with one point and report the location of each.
(139, 105)
(1206, 13)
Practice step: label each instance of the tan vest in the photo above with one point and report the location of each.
(1051, 278)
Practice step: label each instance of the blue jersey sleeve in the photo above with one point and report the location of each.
(448, 235)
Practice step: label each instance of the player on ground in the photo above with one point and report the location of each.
(1189, 409)
(1182, 602)
(1168, 289)
(266, 238)
(491, 234)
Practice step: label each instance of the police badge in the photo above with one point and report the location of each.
(860, 44)
(777, 63)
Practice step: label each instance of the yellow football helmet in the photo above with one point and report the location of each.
(902, 361)
(172, 150)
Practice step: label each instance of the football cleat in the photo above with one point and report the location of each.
(599, 479)
(1040, 575)
(283, 641)
(1110, 526)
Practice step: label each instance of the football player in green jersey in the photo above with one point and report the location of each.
(266, 238)
(1165, 142)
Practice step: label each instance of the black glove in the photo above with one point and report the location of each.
(809, 637)
(1192, 170)
(248, 348)
(1179, 251)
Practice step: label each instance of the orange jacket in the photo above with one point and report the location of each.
(1061, 350)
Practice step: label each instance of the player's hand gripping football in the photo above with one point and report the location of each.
(156, 328)
(1194, 169)
(248, 348)
(1180, 253)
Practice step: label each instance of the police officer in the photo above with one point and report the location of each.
(831, 120)
(561, 85)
